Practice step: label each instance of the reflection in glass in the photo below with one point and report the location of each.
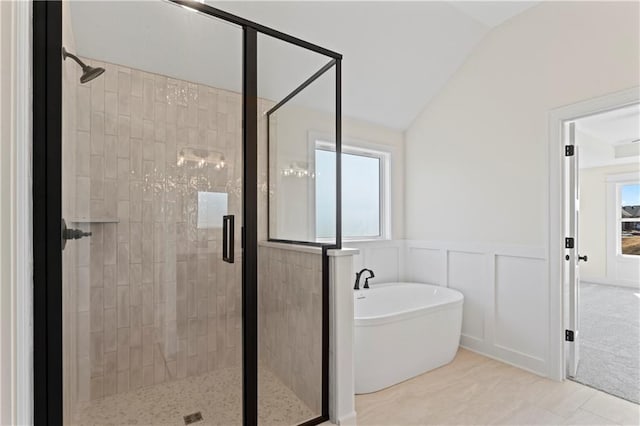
(292, 131)
(211, 207)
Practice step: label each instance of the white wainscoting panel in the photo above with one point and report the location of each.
(385, 258)
(521, 315)
(467, 272)
(426, 265)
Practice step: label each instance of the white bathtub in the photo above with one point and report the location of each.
(403, 330)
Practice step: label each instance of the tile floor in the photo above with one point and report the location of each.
(216, 394)
(476, 390)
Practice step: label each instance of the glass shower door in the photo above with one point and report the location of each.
(152, 198)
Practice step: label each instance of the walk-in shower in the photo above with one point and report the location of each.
(178, 305)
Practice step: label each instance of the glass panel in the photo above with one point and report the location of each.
(325, 194)
(629, 211)
(630, 201)
(211, 207)
(153, 159)
(294, 129)
(630, 238)
(360, 195)
(290, 276)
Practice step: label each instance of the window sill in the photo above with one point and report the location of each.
(366, 240)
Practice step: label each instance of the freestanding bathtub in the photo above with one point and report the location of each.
(403, 330)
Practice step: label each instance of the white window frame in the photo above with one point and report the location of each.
(326, 142)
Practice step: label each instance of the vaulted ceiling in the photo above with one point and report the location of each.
(397, 55)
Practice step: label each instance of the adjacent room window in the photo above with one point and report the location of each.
(363, 192)
(629, 225)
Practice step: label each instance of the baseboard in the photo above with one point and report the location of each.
(349, 419)
(505, 361)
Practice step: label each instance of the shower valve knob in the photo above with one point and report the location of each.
(72, 234)
(75, 234)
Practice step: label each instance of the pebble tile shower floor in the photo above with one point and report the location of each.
(217, 395)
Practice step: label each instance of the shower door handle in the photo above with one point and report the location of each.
(228, 239)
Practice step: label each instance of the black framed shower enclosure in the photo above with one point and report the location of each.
(47, 208)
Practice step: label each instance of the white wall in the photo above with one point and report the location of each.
(476, 154)
(477, 167)
(593, 220)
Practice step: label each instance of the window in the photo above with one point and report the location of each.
(622, 262)
(363, 192)
(629, 217)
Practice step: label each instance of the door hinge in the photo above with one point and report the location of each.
(568, 335)
(569, 243)
(569, 150)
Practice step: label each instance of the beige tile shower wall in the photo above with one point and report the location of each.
(155, 301)
(70, 292)
(290, 320)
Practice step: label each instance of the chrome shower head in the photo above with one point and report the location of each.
(88, 72)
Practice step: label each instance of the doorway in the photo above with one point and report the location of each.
(602, 250)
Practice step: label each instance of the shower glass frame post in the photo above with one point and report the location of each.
(47, 209)
(47, 212)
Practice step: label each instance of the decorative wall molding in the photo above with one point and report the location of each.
(386, 258)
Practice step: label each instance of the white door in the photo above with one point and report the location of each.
(572, 335)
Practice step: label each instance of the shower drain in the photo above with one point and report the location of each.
(192, 418)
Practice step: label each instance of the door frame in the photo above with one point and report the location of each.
(47, 210)
(555, 226)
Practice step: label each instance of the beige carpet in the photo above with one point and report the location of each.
(610, 340)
